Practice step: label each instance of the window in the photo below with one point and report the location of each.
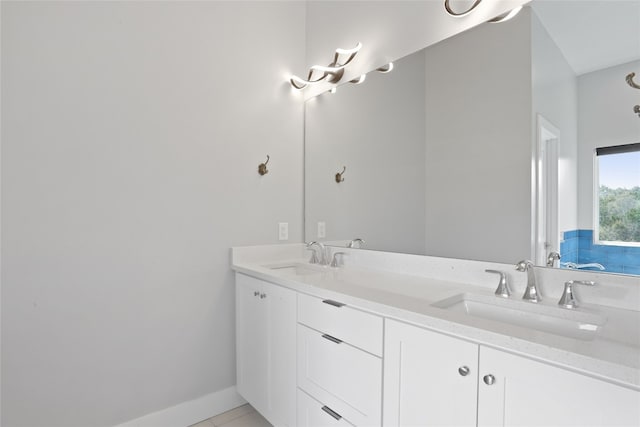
(618, 194)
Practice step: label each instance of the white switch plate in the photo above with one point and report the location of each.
(322, 229)
(283, 231)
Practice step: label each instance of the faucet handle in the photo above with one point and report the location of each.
(503, 287)
(356, 243)
(314, 256)
(334, 261)
(552, 258)
(568, 298)
(524, 265)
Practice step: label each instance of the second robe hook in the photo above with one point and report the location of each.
(262, 167)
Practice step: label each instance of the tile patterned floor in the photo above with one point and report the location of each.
(242, 416)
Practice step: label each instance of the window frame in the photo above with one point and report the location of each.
(600, 151)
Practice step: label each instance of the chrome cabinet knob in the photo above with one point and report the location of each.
(464, 370)
(489, 379)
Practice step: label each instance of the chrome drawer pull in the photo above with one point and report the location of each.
(332, 339)
(332, 413)
(333, 303)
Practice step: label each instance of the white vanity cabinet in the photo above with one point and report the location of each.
(426, 384)
(339, 363)
(266, 348)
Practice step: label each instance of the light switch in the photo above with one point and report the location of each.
(322, 230)
(283, 231)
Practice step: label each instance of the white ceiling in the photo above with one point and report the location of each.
(592, 34)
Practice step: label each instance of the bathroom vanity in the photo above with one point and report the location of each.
(391, 339)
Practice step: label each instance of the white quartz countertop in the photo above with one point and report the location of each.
(409, 298)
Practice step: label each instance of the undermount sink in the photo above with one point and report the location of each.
(573, 324)
(294, 269)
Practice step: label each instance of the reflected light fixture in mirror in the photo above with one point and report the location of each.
(506, 16)
(450, 11)
(500, 18)
(358, 80)
(385, 68)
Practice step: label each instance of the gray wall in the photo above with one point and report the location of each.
(131, 136)
(375, 129)
(478, 121)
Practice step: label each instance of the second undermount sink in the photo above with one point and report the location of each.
(295, 269)
(573, 324)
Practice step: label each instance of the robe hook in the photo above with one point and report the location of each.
(262, 167)
(339, 177)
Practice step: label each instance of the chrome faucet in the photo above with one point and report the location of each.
(568, 298)
(531, 292)
(356, 243)
(552, 258)
(318, 256)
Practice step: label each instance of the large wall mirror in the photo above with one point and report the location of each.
(483, 146)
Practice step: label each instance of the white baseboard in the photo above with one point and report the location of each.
(191, 412)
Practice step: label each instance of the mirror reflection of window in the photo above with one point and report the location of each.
(618, 195)
(613, 244)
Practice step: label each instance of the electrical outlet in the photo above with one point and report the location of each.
(322, 230)
(283, 231)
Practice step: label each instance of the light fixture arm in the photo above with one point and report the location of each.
(630, 81)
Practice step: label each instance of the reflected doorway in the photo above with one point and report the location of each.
(547, 238)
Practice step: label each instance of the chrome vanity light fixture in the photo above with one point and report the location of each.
(630, 82)
(506, 16)
(332, 73)
(451, 12)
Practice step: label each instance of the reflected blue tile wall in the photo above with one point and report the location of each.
(577, 247)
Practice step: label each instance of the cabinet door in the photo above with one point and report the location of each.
(425, 380)
(529, 393)
(251, 342)
(266, 348)
(281, 323)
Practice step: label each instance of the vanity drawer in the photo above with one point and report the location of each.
(361, 329)
(341, 376)
(312, 413)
